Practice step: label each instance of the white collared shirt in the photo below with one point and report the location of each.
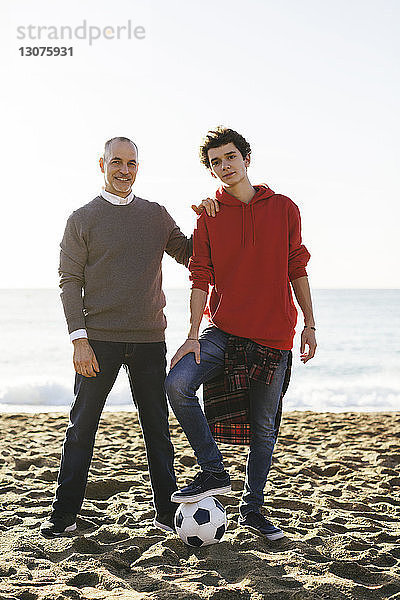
(113, 199)
(117, 199)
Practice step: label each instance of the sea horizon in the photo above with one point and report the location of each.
(356, 368)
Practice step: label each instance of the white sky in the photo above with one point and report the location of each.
(312, 84)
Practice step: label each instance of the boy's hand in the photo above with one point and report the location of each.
(186, 348)
(211, 205)
(307, 339)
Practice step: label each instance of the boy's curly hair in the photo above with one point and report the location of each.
(219, 137)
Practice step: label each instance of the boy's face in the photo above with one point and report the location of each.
(228, 164)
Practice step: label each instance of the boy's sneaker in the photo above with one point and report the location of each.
(258, 523)
(57, 524)
(206, 483)
(165, 521)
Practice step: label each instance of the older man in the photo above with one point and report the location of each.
(112, 251)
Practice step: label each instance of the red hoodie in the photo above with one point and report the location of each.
(248, 253)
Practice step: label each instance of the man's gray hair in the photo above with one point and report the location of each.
(107, 145)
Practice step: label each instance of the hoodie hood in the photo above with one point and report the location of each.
(263, 192)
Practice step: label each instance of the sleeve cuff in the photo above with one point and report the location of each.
(200, 286)
(297, 273)
(78, 333)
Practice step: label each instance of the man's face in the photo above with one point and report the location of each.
(228, 164)
(119, 166)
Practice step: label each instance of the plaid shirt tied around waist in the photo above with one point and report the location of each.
(226, 397)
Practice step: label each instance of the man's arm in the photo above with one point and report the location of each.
(198, 301)
(302, 292)
(73, 258)
(179, 246)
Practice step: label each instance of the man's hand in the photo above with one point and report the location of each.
(210, 204)
(186, 348)
(85, 361)
(307, 339)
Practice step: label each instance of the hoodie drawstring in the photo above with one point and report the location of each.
(253, 225)
(243, 228)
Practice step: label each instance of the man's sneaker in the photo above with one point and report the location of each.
(258, 523)
(58, 524)
(206, 483)
(165, 521)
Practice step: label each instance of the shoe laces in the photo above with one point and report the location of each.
(258, 517)
(199, 477)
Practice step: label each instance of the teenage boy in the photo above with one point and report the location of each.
(112, 251)
(249, 254)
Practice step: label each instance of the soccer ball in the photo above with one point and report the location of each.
(201, 523)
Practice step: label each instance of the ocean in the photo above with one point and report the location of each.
(357, 366)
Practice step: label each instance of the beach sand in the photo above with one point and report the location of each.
(333, 488)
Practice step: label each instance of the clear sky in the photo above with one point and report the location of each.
(312, 84)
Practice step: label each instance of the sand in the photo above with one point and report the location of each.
(333, 488)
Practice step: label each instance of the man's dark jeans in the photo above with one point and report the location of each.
(145, 364)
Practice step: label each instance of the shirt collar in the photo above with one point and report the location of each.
(117, 199)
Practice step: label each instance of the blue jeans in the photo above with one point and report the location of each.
(146, 365)
(182, 383)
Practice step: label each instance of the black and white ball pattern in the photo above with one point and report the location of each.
(201, 523)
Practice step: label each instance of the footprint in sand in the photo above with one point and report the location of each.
(23, 464)
(292, 504)
(187, 461)
(121, 559)
(111, 535)
(357, 573)
(103, 489)
(83, 545)
(26, 595)
(71, 594)
(84, 579)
